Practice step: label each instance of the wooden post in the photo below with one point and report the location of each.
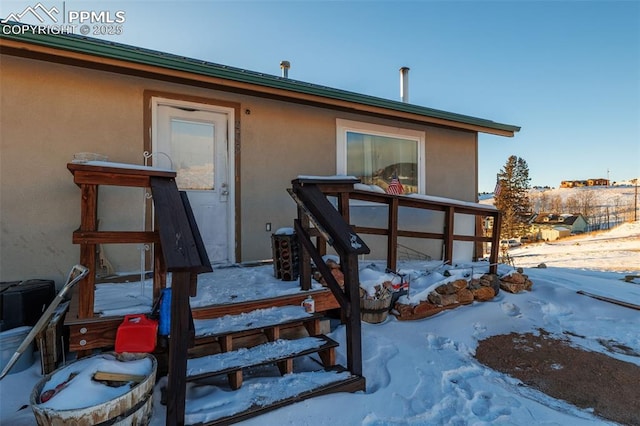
(180, 319)
(495, 243)
(89, 222)
(304, 265)
(449, 217)
(354, 326)
(392, 237)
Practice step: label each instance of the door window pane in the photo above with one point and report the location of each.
(377, 160)
(192, 154)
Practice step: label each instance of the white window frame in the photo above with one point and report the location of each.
(344, 126)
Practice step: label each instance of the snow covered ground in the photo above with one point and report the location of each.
(423, 372)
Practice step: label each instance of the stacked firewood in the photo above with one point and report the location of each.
(381, 291)
(335, 271)
(461, 292)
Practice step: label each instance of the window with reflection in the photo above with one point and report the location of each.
(386, 157)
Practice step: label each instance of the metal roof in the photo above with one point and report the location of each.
(132, 54)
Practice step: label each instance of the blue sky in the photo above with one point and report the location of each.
(567, 72)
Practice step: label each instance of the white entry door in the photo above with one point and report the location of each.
(194, 143)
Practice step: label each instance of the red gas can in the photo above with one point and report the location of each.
(137, 333)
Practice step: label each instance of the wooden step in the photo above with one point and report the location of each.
(281, 352)
(271, 393)
(269, 321)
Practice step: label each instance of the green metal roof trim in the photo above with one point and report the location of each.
(103, 48)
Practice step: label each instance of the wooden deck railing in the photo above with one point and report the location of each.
(394, 230)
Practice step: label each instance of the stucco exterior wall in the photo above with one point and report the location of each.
(51, 111)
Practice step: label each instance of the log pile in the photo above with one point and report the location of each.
(335, 271)
(449, 295)
(463, 292)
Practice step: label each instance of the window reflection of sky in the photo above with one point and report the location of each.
(192, 145)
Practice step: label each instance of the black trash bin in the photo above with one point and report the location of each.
(23, 302)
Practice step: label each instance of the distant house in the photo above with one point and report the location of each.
(237, 138)
(550, 226)
(580, 183)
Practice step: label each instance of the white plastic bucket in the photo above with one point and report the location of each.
(10, 340)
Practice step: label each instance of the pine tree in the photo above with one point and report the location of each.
(512, 197)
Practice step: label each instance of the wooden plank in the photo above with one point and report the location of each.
(449, 219)
(321, 265)
(178, 347)
(495, 244)
(108, 376)
(226, 342)
(265, 358)
(272, 333)
(235, 379)
(176, 235)
(286, 366)
(313, 327)
(159, 271)
(424, 204)
(353, 323)
(111, 174)
(392, 239)
(611, 300)
(114, 237)
(111, 179)
(88, 222)
(88, 334)
(100, 332)
(343, 206)
(351, 384)
(328, 357)
(202, 251)
(324, 299)
(49, 340)
(330, 184)
(304, 265)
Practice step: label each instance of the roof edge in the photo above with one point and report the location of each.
(113, 50)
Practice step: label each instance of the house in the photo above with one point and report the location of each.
(236, 138)
(550, 226)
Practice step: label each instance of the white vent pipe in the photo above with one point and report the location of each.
(404, 84)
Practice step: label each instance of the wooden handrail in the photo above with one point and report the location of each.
(313, 206)
(185, 256)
